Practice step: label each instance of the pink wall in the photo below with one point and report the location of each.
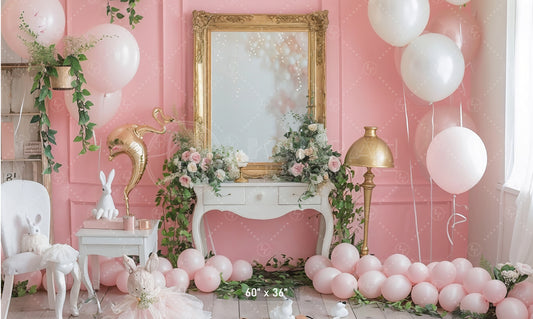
(363, 89)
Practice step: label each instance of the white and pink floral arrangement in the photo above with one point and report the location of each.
(305, 154)
(191, 165)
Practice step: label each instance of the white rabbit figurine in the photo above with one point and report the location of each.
(105, 206)
(34, 241)
(284, 311)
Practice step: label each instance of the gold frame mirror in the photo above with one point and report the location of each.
(209, 26)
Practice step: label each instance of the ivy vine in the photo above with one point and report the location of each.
(115, 13)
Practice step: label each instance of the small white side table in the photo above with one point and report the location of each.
(259, 199)
(114, 243)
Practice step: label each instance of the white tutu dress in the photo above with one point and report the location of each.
(164, 304)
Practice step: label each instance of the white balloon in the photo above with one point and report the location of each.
(398, 22)
(434, 122)
(114, 60)
(44, 17)
(458, 2)
(105, 105)
(456, 159)
(432, 67)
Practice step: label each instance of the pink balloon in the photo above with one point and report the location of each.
(122, 281)
(395, 288)
(344, 257)
(113, 61)
(432, 124)
(462, 265)
(242, 270)
(450, 296)
(164, 265)
(443, 274)
(424, 294)
(432, 265)
(475, 279)
(45, 17)
(69, 281)
(396, 264)
(523, 291)
(494, 291)
(343, 286)
(511, 308)
(417, 272)
(460, 26)
(370, 283)
(34, 278)
(322, 280)
(159, 279)
(222, 264)
(367, 263)
(109, 271)
(475, 302)
(177, 278)
(207, 279)
(316, 263)
(191, 260)
(456, 159)
(105, 106)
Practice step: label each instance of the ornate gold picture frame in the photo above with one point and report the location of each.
(206, 24)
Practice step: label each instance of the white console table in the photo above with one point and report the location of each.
(263, 200)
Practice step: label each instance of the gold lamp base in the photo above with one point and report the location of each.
(368, 185)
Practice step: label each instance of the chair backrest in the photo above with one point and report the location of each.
(22, 198)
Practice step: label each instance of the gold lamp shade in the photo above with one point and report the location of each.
(369, 151)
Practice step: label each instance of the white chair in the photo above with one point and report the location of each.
(21, 199)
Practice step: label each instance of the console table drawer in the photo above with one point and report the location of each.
(228, 196)
(290, 196)
(262, 195)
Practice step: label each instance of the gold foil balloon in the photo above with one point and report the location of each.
(128, 139)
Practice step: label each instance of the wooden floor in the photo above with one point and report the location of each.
(307, 302)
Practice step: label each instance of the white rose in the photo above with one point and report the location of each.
(192, 167)
(176, 161)
(300, 154)
(220, 174)
(308, 151)
(524, 269)
(209, 156)
(312, 127)
(241, 157)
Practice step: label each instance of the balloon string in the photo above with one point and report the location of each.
(431, 189)
(21, 106)
(411, 177)
(461, 113)
(455, 222)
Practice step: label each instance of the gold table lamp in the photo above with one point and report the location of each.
(369, 151)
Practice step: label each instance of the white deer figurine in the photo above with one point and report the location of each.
(105, 206)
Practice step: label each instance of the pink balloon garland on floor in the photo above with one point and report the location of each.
(427, 284)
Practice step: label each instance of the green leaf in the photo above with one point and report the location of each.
(78, 139)
(35, 119)
(93, 147)
(120, 15)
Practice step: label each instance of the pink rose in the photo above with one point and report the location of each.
(297, 169)
(204, 165)
(334, 164)
(195, 157)
(185, 181)
(185, 156)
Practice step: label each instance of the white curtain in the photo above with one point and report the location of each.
(521, 177)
